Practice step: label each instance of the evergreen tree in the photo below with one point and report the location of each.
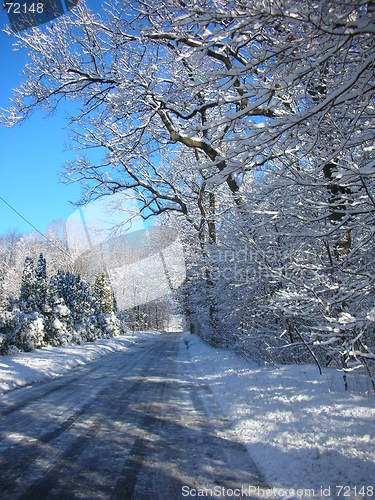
(25, 324)
(60, 324)
(104, 294)
(83, 300)
(41, 283)
(115, 307)
(55, 312)
(64, 286)
(27, 294)
(105, 305)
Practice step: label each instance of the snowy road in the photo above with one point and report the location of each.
(128, 425)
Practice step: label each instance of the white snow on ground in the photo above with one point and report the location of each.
(25, 368)
(302, 430)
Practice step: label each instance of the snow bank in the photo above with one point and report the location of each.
(300, 428)
(22, 369)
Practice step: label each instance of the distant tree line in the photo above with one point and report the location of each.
(154, 315)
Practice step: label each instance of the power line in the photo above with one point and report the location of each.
(32, 225)
(23, 218)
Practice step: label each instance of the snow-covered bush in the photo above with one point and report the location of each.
(31, 332)
(110, 324)
(55, 312)
(21, 330)
(60, 324)
(88, 328)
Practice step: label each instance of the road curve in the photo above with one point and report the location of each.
(127, 426)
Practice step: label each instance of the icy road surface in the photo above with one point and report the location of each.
(125, 426)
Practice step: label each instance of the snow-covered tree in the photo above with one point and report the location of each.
(104, 294)
(27, 294)
(60, 323)
(41, 282)
(105, 306)
(54, 309)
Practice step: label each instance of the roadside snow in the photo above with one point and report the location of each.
(22, 369)
(302, 430)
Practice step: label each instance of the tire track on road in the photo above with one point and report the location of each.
(15, 461)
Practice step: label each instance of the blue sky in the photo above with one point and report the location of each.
(32, 155)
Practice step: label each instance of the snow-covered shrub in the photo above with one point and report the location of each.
(110, 325)
(9, 325)
(21, 330)
(88, 328)
(31, 332)
(55, 312)
(59, 326)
